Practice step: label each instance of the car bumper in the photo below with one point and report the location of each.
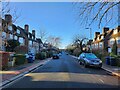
(95, 65)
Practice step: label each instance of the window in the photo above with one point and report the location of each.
(97, 38)
(10, 28)
(15, 37)
(11, 36)
(30, 43)
(18, 31)
(115, 31)
(118, 40)
(96, 45)
(102, 37)
(100, 44)
(118, 51)
(21, 40)
(111, 42)
(92, 45)
(3, 35)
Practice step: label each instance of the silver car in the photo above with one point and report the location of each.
(89, 59)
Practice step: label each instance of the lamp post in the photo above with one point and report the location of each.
(90, 32)
(90, 38)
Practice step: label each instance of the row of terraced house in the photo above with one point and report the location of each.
(106, 39)
(26, 38)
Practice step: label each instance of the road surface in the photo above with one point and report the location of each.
(66, 73)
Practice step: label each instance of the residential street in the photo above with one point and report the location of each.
(66, 73)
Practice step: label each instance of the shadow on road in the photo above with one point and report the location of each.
(32, 83)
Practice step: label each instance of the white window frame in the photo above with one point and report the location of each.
(115, 31)
(18, 31)
(11, 36)
(10, 27)
(15, 37)
(102, 37)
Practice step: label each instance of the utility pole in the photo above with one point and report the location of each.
(90, 38)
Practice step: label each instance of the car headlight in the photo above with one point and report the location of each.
(100, 61)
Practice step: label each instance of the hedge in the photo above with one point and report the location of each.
(19, 59)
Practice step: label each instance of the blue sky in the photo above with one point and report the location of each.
(58, 19)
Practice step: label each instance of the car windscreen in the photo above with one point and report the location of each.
(90, 56)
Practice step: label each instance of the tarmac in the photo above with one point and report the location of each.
(15, 73)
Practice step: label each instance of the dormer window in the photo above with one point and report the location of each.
(102, 37)
(115, 31)
(97, 38)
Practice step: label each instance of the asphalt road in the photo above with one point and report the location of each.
(66, 73)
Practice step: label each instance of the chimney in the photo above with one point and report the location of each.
(8, 18)
(105, 29)
(96, 34)
(119, 28)
(26, 27)
(33, 33)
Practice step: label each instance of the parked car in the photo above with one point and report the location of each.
(60, 54)
(89, 59)
(55, 56)
(32, 55)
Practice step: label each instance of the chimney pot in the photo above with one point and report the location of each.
(26, 27)
(105, 29)
(8, 18)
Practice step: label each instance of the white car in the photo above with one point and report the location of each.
(30, 55)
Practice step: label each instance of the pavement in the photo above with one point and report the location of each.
(16, 72)
(113, 70)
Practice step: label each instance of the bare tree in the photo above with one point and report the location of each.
(90, 12)
(54, 41)
(43, 35)
(13, 11)
(77, 39)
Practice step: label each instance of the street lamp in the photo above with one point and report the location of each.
(90, 32)
(90, 38)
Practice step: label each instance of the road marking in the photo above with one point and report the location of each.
(101, 80)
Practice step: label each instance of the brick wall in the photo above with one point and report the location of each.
(4, 58)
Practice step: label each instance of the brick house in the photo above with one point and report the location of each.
(103, 41)
(11, 31)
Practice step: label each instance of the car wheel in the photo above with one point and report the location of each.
(99, 67)
(80, 62)
(85, 65)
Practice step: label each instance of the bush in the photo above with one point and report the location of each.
(11, 45)
(19, 59)
(37, 56)
(49, 54)
(41, 55)
(118, 61)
